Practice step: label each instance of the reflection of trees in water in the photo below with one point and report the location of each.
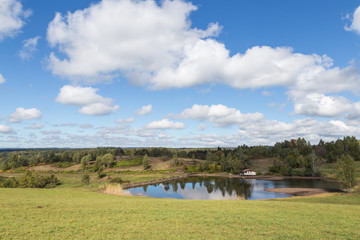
(174, 186)
(209, 186)
(193, 184)
(227, 186)
(166, 186)
(182, 184)
(145, 188)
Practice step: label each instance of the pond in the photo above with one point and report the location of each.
(222, 188)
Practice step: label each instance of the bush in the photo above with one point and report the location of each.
(7, 182)
(85, 179)
(101, 174)
(34, 180)
(146, 162)
(118, 180)
(64, 164)
(129, 162)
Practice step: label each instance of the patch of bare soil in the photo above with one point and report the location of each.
(158, 163)
(50, 167)
(300, 191)
(126, 168)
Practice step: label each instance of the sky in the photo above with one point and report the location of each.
(202, 73)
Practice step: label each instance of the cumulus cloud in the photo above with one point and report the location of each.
(145, 110)
(315, 104)
(355, 22)
(36, 126)
(29, 48)
(12, 18)
(165, 124)
(91, 103)
(2, 79)
(51, 132)
(114, 36)
(125, 121)
(5, 129)
(219, 115)
(22, 114)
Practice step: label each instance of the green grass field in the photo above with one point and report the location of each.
(78, 213)
(75, 211)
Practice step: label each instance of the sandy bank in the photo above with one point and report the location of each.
(301, 191)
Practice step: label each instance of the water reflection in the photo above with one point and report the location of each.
(223, 188)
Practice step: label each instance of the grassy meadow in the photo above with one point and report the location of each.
(75, 211)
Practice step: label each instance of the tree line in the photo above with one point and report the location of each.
(291, 157)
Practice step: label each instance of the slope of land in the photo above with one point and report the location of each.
(75, 213)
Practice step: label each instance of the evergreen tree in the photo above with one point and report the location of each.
(346, 172)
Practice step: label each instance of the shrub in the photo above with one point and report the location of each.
(118, 180)
(101, 174)
(129, 162)
(34, 180)
(146, 163)
(64, 164)
(7, 182)
(85, 179)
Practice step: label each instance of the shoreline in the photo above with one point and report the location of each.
(302, 191)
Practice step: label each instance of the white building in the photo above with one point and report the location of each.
(248, 172)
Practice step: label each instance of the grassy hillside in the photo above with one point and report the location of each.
(73, 211)
(76, 213)
(329, 170)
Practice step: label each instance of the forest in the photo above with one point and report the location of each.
(290, 157)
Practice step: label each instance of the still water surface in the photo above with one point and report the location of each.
(225, 188)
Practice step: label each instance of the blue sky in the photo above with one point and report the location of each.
(177, 73)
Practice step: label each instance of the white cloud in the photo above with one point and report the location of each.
(22, 114)
(113, 37)
(125, 121)
(69, 124)
(12, 18)
(165, 124)
(5, 129)
(131, 37)
(87, 97)
(2, 79)
(36, 126)
(355, 22)
(219, 115)
(145, 110)
(54, 131)
(268, 132)
(98, 109)
(29, 48)
(315, 104)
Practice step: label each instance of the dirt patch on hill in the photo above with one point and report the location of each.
(50, 167)
(159, 164)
